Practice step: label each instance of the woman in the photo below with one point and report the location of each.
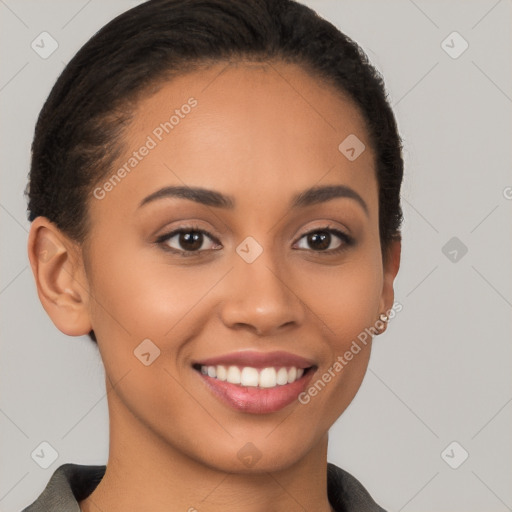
(215, 200)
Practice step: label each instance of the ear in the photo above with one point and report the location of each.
(391, 264)
(60, 278)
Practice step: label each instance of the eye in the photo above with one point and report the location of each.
(189, 240)
(327, 240)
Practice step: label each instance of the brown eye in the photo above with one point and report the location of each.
(319, 241)
(191, 241)
(188, 240)
(326, 240)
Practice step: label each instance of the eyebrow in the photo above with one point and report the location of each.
(197, 194)
(317, 195)
(207, 197)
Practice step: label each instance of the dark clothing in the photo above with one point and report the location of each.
(72, 483)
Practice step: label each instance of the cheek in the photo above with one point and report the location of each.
(142, 300)
(146, 298)
(345, 298)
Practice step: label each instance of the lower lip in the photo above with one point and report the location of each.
(256, 400)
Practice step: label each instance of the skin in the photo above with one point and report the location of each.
(261, 134)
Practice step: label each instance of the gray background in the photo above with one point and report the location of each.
(442, 371)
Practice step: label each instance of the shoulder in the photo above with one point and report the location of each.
(69, 484)
(347, 494)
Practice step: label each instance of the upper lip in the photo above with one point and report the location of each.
(258, 360)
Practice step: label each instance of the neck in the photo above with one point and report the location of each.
(144, 472)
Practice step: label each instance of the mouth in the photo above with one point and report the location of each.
(255, 382)
(248, 376)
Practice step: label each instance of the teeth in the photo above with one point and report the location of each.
(268, 378)
(254, 377)
(233, 375)
(292, 375)
(249, 377)
(282, 376)
(222, 373)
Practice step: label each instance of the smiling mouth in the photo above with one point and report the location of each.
(256, 382)
(247, 376)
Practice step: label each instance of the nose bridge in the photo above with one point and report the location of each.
(259, 295)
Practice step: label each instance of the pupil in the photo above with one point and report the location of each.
(191, 240)
(320, 240)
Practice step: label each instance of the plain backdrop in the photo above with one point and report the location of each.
(440, 375)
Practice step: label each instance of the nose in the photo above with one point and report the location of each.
(261, 299)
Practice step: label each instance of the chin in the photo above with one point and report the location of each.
(254, 457)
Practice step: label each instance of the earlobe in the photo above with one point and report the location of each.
(59, 276)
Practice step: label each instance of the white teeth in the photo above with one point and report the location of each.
(282, 376)
(249, 377)
(233, 375)
(253, 377)
(268, 378)
(222, 373)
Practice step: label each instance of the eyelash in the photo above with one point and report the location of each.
(347, 240)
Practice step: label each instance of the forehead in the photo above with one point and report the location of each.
(242, 127)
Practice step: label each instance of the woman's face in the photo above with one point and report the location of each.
(265, 274)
